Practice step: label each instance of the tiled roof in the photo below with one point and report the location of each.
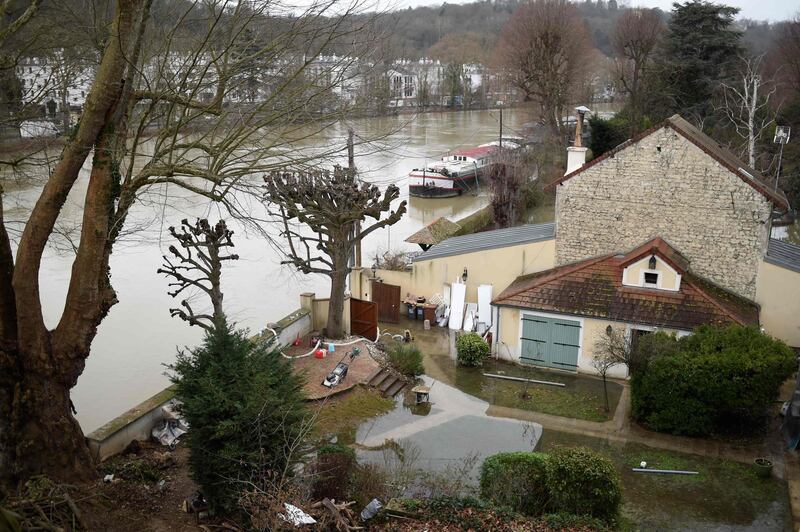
(499, 238)
(714, 149)
(783, 254)
(434, 232)
(593, 288)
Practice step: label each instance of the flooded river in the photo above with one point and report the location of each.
(138, 336)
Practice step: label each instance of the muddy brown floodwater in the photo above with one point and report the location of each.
(139, 337)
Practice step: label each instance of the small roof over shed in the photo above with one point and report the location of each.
(433, 233)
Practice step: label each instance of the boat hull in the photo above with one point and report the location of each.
(424, 191)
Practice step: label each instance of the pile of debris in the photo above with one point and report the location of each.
(42, 505)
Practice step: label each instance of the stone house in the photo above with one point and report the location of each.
(667, 231)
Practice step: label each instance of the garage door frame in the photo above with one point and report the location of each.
(549, 316)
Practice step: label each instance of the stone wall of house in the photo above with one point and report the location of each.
(666, 186)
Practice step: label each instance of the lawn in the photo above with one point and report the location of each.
(341, 415)
(581, 398)
(725, 494)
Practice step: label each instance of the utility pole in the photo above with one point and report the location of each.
(501, 127)
(351, 164)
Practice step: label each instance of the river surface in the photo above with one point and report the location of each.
(138, 337)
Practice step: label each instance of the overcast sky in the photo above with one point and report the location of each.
(755, 9)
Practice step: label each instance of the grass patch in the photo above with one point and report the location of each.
(725, 492)
(342, 414)
(581, 398)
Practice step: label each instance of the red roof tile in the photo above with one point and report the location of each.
(593, 288)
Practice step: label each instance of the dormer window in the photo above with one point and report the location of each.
(652, 272)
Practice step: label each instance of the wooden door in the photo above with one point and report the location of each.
(387, 296)
(550, 342)
(364, 318)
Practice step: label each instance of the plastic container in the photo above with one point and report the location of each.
(763, 467)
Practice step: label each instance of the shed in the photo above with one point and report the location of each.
(438, 230)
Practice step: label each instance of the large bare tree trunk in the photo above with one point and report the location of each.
(335, 327)
(39, 367)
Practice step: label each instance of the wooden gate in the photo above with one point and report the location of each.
(387, 296)
(550, 342)
(364, 318)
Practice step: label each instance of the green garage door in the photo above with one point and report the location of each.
(550, 342)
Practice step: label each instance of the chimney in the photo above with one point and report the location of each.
(576, 154)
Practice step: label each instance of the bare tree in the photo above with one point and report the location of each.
(507, 182)
(611, 349)
(156, 114)
(199, 265)
(330, 205)
(544, 48)
(635, 36)
(747, 106)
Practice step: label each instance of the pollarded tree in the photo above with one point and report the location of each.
(545, 48)
(330, 207)
(198, 265)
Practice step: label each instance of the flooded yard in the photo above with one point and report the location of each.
(726, 495)
(452, 436)
(581, 397)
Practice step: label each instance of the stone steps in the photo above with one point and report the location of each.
(386, 382)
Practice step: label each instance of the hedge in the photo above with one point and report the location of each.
(471, 349)
(716, 379)
(516, 480)
(582, 482)
(575, 481)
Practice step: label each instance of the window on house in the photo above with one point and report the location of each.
(651, 279)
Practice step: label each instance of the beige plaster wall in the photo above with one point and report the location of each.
(498, 267)
(508, 344)
(778, 293)
(666, 186)
(669, 278)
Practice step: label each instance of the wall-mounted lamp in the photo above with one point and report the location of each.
(609, 330)
(374, 270)
(464, 275)
(652, 263)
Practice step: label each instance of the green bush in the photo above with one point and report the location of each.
(574, 481)
(583, 482)
(407, 359)
(333, 472)
(607, 134)
(715, 380)
(246, 409)
(516, 480)
(471, 349)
